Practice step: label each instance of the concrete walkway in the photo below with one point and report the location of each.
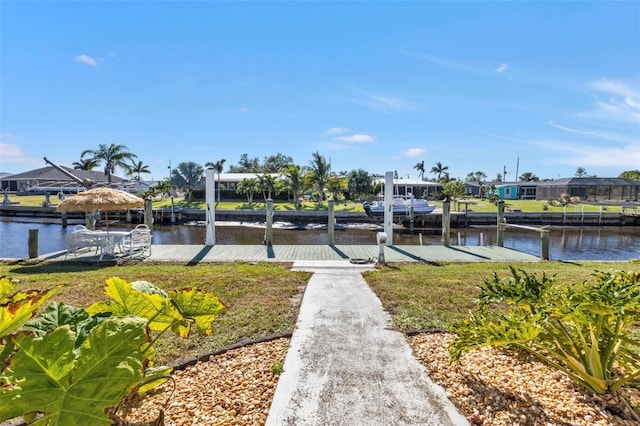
(346, 366)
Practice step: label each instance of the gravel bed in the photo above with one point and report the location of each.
(234, 388)
(489, 387)
(494, 387)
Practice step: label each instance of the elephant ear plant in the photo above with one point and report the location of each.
(71, 366)
(585, 330)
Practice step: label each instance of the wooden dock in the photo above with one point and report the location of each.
(288, 253)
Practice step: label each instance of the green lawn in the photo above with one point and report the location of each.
(424, 296)
(475, 205)
(263, 299)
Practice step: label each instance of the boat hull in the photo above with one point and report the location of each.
(377, 209)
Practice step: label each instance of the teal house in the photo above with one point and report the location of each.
(507, 191)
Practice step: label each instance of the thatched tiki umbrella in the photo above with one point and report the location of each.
(100, 199)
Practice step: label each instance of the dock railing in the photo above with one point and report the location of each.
(502, 225)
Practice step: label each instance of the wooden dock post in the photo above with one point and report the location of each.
(63, 217)
(331, 220)
(411, 218)
(544, 244)
(388, 207)
(90, 220)
(33, 243)
(500, 223)
(148, 213)
(446, 222)
(268, 233)
(210, 201)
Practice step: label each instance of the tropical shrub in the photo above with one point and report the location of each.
(584, 330)
(77, 365)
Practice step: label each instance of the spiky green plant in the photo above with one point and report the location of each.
(581, 329)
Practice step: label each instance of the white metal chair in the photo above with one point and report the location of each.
(139, 242)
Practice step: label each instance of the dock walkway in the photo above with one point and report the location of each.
(291, 253)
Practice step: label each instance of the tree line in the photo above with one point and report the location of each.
(315, 178)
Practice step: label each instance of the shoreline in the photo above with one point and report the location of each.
(431, 220)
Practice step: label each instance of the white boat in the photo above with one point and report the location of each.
(401, 206)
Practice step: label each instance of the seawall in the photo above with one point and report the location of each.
(432, 220)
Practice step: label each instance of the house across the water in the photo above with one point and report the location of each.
(594, 189)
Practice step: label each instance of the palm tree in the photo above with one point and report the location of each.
(218, 166)
(163, 187)
(439, 169)
(137, 168)
(188, 176)
(113, 156)
(85, 164)
(266, 183)
(337, 185)
(420, 168)
(319, 174)
(248, 186)
(293, 182)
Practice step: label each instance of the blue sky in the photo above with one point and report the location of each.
(541, 87)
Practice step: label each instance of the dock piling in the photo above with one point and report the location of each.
(33, 243)
(446, 222)
(500, 223)
(331, 220)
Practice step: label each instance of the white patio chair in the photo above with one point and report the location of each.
(139, 242)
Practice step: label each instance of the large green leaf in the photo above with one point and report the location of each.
(73, 387)
(199, 306)
(126, 300)
(58, 314)
(19, 308)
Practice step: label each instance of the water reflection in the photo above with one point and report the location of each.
(573, 243)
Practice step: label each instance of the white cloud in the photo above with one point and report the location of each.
(379, 102)
(570, 130)
(614, 88)
(85, 59)
(502, 68)
(633, 103)
(621, 105)
(385, 103)
(336, 131)
(10, 151)
(12, 154)
(358, 137)
(413, 152)
(585, 155)
(241, 110)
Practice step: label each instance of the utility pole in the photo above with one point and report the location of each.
(504, 173)
(173, 213)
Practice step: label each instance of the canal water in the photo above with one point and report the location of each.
(566, 243)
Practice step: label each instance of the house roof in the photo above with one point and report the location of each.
(410, 182)
(50, 173)
(573, 181)
(238, 177)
